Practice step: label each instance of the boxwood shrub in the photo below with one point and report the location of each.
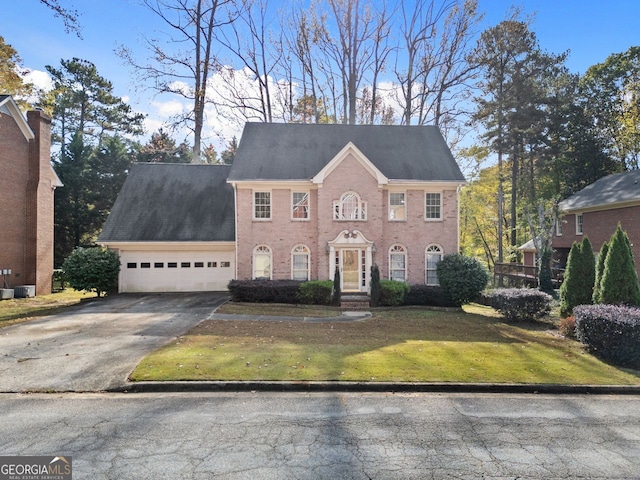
(521, 304)
(612, 332)
(316, 292)
(392, 292)
(431, 295)
(264, 291)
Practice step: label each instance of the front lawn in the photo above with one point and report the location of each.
(17, 310)
(404, 344)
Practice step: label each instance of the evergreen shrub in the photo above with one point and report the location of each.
(430, 295)
(464, 278)
(264, 291)
(92, 270)
(375, 286)
(579, 277)
(619, 282)
(521, 304)
(316, 292)
(392, 293)
(611, 332)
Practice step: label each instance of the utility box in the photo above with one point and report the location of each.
(25, 291)
(6, 293)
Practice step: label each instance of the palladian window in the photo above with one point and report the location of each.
(350, 207)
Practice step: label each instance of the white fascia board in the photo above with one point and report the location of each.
(171, 246)
(14, 111)
(359, 156)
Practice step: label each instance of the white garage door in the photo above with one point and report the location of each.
(178, 271)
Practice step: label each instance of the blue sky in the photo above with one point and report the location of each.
(590, 29)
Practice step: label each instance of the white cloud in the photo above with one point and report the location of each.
(39, 79)
(169, 108)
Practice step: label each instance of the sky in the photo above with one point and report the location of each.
(590, 29)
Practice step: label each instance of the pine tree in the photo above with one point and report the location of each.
(619, 285)
(604, 250)
(579, 279)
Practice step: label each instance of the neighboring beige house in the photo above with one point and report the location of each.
(303, 200)
(27, 184)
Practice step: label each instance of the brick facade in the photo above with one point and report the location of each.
(326, 237)
(27, 183)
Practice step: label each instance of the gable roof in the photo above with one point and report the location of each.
(168, 202)
(286, 151)
(612, 191)
(9, 107)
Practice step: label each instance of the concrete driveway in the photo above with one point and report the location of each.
(95, 346)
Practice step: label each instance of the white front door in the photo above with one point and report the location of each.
(351, 270)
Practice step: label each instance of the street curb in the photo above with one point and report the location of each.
(375, 387)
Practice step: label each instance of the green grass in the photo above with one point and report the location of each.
(18, 310)
(412, 344)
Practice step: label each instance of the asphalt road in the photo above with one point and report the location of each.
(328, 436)
(94, 346)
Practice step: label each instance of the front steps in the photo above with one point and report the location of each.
(355, 302)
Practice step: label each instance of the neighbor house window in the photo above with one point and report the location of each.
(300, 205)
(433, 206)
(558, 227)
(433, 255)
(262, 205)
(579, 225)
(300, 262)
(350, 207)
(398, 263)
(261, 262)
(397, 206)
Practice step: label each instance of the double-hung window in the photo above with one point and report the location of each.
(300, 263)
(398, 263)
(433, 254)
(397, 206)
(261, 262)
(432, 206)
(262, 205)
(579, 224)
(300, 205)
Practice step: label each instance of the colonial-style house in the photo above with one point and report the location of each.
(298, 202)
(27, 184)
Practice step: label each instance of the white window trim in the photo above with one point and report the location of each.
(405, 207)
(424, 198)
(259, 251)
(253, 202)
(404, 252)
(362, 209)
(294, 253)
(426, 264)
(559, 227)
(308, 206)
(579, 224)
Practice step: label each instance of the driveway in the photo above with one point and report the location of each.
(95, 346)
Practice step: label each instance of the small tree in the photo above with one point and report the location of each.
(462, 277)
(604, 250)
(92, 269)
(376, 291)
(579, 279)
(337, 293)
(619, 284)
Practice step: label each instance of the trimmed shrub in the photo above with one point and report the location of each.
(544, 274)
(579, 277)
(611, 332)
(316, 292)
(375, 286)
(92, 269)
(336, 293)
(619, 283)
(604, 250)
(431, 295)
(521, 304)
(264, 291)
(462, 277)
(392, 293)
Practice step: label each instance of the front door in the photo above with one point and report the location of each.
(351, 270)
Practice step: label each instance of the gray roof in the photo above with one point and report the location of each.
(166, 202)
(609, 191)
(285, 151)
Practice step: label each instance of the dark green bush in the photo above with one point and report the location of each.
(611, 332)
(392, 293)
(92, 269)
(375, 286)
(336, 293)
(619, 282)
(264, 291)
(462, 277)
(579, 277)
(521, 304)
(431, 295)
(316, 292)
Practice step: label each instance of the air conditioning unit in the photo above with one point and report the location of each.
(25, 291)
(6, 293)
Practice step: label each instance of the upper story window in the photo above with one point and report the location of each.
(558, 227)
(579, 224)
(433, 254)
(300, 205)
(397, 206)
(398, 263)
(262, 205)
(350, 207)
(262, 262)
(432, 206)
(300, 263)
